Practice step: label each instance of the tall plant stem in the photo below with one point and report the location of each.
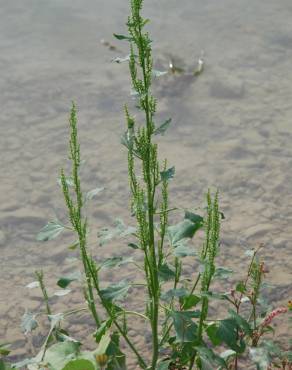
(241, 295)
(75, 207)
(40, 277)
(153, 281)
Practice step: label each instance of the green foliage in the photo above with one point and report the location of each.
(186, 330)
(4, 349)
(4, 366)
(65, 281)
(79, 364)
(185, 229)
(116, 292)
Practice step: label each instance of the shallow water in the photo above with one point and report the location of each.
(231, 127)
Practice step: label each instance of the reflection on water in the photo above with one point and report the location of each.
(231, 125)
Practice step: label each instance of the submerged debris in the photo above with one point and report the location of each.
(174, 68)
(200, 65)
(109, 45)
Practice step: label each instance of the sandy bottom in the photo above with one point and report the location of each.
(231, 130)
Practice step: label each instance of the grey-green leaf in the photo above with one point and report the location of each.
(33, 284)
(260, 357)
(209, 359)
(92, 193)
(185, 328)
(61, 293)
(123, 37)
(162, 128)
(227, 333)
(116, 262)
(195, 218)
(171, 293)
(69, 181)
(119, 230)
(226, 355)
(133, 246)
(121, 60)
(222, 273)
(165, 273)
(157, 73)
(241, 321)
(50, 231)
(163, 365)
(189, 301)
(28, 322)
(64, 281)
(182, 230)
(183, 250)
(116, 292)
(103, 344)
(167, 174)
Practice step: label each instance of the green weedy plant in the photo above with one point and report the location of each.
(184, 333)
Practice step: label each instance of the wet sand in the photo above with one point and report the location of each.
(231, 130)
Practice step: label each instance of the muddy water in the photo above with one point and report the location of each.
(231, 129)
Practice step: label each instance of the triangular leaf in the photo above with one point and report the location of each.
(165, 273)
(183, 250)
(209, 359)
(242, 323)
(196, 219)
(180, 231)
(116, 292)
(33, 284)
(260, 357)
(64, 281)
(50, 231)
(157, 73)
(119, 230)
(227, 333)
(226, 355)
(211, 330)
(116, 262)
(28, 322)
(163, 364)
(133, 246)
(162, 128)
(167, 174)
(123, 37)
(185, 328)
(172, 293)
(69, 181)
(222, 273)
(121, 60)
(92, 193)
(61, 293)
(189, 301)
(103, 344)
